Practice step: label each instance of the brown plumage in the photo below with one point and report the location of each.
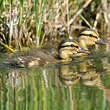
(66, 50)
(88, 37)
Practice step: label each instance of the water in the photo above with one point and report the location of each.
(83, 84)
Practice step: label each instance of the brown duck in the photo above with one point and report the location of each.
(89, 37)
(67, 49)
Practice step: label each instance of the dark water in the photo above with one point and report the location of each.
(83, 84)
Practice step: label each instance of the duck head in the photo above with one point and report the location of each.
(68, 48)
(88, 37)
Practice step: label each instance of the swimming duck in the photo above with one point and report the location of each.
(69, 48)
(88, 37)
(66, 49)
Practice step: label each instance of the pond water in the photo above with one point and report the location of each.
(83, 84)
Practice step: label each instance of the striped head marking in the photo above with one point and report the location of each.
(89, 33)
(68, 48)
(89, 37)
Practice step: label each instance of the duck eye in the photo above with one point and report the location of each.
(90, 35)
(72, 45)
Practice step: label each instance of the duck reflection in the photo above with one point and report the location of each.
(68, 75)
(90, 71)
(87, 72)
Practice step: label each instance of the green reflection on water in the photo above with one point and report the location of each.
(81, 85)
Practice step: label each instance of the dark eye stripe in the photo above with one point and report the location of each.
(76, 46)
(69, 46)
(90, 35)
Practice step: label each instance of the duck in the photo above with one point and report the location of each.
(66, 49)
(88, 37)
(69, 48)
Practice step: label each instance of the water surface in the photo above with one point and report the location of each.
(83, 84)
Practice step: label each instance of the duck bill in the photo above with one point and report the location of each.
(99, 41)
(81, 50)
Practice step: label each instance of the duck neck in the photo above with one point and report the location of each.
(82, 44)
(64, 55)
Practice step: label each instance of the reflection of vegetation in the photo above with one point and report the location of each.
(33, 22)
(28, 90)
(40, 88)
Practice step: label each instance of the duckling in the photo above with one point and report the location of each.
(66, 49)
(88, 37)
(69, 48)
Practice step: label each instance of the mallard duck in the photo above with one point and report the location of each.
(69, 48)
(88, 37)
(66, 49)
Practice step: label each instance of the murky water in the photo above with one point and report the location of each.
(83, 84)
